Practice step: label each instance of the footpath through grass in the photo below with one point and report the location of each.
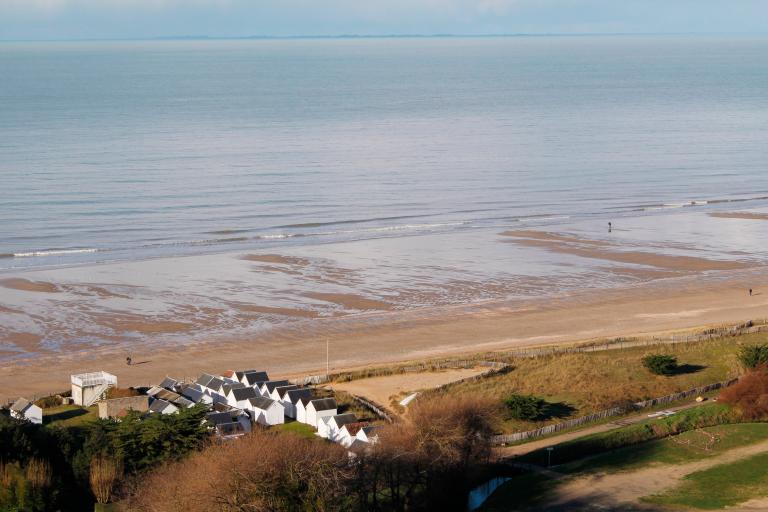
(722, 486)
(690, 435)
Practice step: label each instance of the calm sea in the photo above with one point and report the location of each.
(131, 150)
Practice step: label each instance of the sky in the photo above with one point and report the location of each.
(119, 19)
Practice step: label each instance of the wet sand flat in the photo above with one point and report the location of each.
(576, 247)
(25, 285)
(399, 336)
(740, 215)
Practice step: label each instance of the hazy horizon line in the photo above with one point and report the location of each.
(377, 36)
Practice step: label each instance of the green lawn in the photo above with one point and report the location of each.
(298, 428)
(720, 486)
(70, 415)
(694, 444)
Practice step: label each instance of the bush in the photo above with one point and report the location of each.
(750, 394)
(525, 407)
(48, 402)
(660, 364)
(752, 356)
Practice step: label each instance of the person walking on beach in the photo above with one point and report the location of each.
(610, 227)
(750, 292)
(128, 360)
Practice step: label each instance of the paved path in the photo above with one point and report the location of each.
(522, 449)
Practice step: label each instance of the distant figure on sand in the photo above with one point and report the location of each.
(610, 227)
(128, 360)
(750, 292)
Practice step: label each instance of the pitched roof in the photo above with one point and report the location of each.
(226, 388)
(215, 384)
(261, 402)
(344, 419)
(294, 395)
(159, 405)
(304, 400)
(272, 384)
(21, 405)
(239, 374)
(217, 418)
(169, 383)
(164, 394)
(323, 404)
(204, 379)
(183, 402)
(244, 393)
(192, 393)
(254, 377)
(228, 374)
(282, 390)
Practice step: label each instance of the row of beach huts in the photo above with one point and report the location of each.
(237, 400)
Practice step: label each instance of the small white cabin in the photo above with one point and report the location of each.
(330, 427)
(318, 409)
(23, 409)
(266, 411)
(291, 399)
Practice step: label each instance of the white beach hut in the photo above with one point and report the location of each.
(266, 411)
(23, 409)
(318, 409)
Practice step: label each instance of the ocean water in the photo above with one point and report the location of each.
(116, 151)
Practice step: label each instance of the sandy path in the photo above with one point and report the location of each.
(380, 389)
(387, 337)
(622, 490)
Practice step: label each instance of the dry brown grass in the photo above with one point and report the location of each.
(592, 381)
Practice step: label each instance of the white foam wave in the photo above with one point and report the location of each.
(53, 252)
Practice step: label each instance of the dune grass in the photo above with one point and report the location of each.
(583, 383)
(721, 486)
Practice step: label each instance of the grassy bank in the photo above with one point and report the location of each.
(582, 383)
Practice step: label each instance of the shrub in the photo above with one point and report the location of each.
(48, 402)
(752, 356)
(660, 364)
(750, 395)
(525, 407)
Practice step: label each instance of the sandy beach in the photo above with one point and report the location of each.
(435, 295)
(355, 341)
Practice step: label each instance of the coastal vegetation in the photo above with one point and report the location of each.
(421, 463)
(586, 382)
(660, 364)
(752, 356)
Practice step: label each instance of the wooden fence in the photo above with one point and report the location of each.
(607, 413)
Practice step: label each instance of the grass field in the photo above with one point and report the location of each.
(298, 428)
(713, 488)
(70, 415)
(579, 384)
(721, 486)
